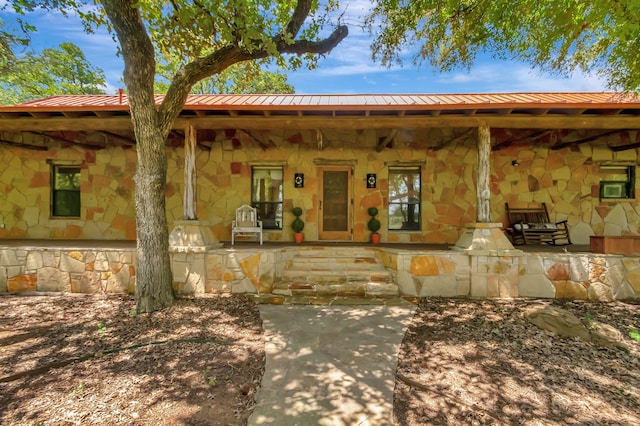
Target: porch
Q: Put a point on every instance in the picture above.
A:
(326, 272)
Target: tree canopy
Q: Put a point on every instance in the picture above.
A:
(557, 36)
(244, 78)
(61, 71)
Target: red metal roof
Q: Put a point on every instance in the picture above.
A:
(346, 102)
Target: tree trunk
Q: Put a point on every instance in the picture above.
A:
(483, 190)
(154, 279)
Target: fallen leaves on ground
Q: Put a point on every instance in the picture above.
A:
(91, 360)
(478, 362)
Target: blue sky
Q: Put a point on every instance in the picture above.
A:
(347, 69)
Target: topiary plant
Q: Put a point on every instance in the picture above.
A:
(297, 225)
(373, 224)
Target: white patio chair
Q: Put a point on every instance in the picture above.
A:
(246, 223)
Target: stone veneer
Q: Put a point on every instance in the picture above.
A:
(248, 270)
(567, 180)
(67, 270)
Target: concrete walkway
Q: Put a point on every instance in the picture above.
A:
(330, 365)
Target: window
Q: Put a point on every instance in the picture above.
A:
(617, 181)
(65, 191)
(266, 195)
(404, 198)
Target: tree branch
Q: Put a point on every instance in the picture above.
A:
(224, 57)
(137, 50)
(299, 15)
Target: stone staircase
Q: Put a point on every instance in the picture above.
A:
(326, 272)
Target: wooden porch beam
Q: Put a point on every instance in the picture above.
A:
(515, 139)
(66, 140)
(382, 143)
(617, 148)
(263, 145)
(584, 140)
(617, 122)
(455, 140)
(626, 144)
(25, 146)
(125, 139)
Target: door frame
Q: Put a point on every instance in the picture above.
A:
(335, 235)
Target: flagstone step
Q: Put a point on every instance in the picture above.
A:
(336, 272)
(276, 299)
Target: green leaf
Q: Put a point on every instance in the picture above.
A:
(555, 36)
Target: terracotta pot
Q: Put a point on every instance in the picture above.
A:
(375, 238)
(298, 237)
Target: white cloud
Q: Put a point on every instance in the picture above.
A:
(500, 76)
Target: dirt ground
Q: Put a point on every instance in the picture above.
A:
(482, 362)
(88, 360)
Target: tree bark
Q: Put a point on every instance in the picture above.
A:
(154, 279)
(483, 189)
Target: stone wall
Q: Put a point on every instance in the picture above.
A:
(67, 270)
(576, 276)
(567, 180)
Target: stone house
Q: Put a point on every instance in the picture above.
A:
(424, 161)
(412, 156)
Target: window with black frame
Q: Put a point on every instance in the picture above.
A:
(65, 191)
(404, 198)
(266, 195)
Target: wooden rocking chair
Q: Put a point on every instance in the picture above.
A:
(246, 223)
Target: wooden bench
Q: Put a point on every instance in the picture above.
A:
(531, 225)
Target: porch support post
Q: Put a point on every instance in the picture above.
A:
(483, 189)
(189, 212)
(191, 239)
(483, 237)
(494, 262)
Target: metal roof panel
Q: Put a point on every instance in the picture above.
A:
(345, 102)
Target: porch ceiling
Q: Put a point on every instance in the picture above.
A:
(514, 117)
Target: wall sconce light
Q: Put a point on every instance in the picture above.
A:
(515, 163)
(298, 180)
(371, 180)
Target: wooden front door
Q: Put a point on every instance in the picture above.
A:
(335, 203)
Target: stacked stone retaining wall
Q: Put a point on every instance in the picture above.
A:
(579, 276)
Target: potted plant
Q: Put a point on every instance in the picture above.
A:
(297, 225)
(374, 225)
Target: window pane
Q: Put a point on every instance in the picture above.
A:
(66, 203)
(67, 178)
(66, 191)
(266, 195)
(404, 199)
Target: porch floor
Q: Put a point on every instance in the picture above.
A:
(130, 244)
